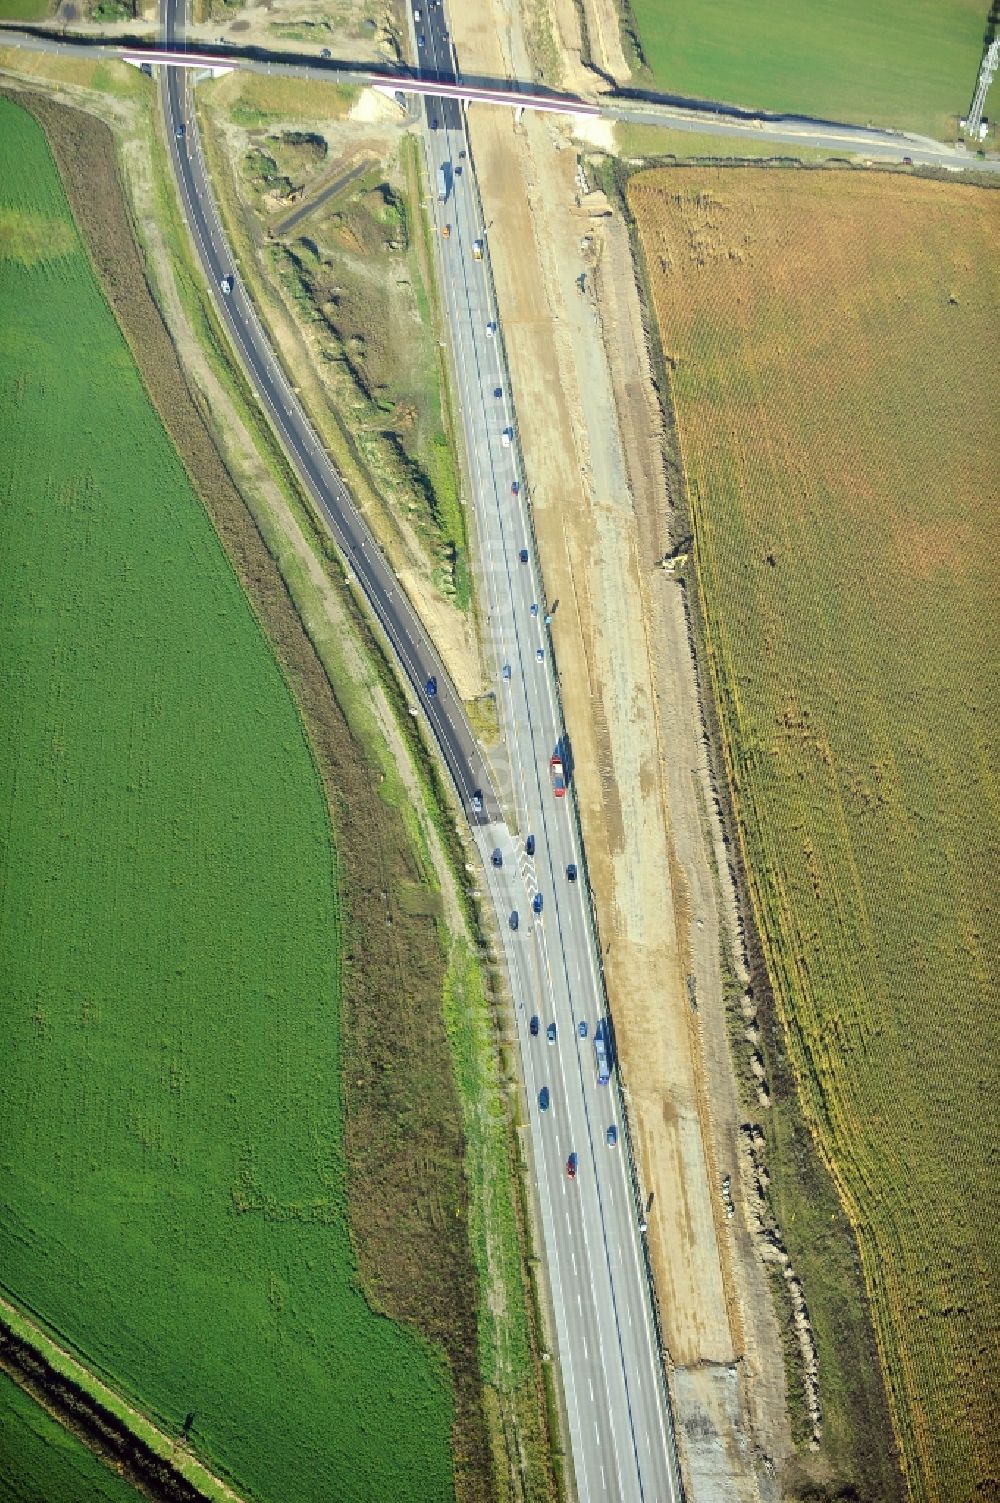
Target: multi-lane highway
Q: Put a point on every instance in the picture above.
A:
(365, 561)
(619, 1419)
(618, 1416)
(615, 1397)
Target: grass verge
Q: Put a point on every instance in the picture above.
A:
(270, 1193)
(515, 1409)
(846, 628)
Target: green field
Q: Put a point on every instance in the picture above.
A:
(831, 337)
(910, 64)
(173, 1199)
(41, 1463)
(23, 10)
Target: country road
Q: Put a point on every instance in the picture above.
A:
(705, 117)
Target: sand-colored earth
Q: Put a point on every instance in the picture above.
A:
(591, 432)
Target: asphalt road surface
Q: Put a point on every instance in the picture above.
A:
(364, 559)
(619, 1420)
(620, 1426)
(687, 115)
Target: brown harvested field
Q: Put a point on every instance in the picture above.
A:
(832, 345)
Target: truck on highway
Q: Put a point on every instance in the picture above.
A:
(601, 1054)
(558, 775)
(477, 250)
(444, 182)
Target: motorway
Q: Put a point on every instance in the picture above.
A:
(618, 1413)
(364, 559)
(618, 1416)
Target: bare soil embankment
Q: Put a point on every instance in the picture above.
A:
(414, 1257)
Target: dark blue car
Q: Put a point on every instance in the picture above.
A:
(536, 902)
(533, 1026)
(529, 846)
(543, 1099)
(432, 687)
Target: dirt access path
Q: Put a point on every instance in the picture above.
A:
(591, 432)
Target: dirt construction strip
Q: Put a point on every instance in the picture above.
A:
(344, 180)
(102, 1417)
(592, 437)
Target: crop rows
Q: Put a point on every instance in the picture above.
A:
(832, 340)
(171, 1151)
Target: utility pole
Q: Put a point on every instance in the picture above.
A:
(972, 126)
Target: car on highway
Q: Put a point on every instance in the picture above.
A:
(529, 846)
(907, 161)
(491, 329)
(612, 1136)
(431, 686)
(498, 391)
(325, 52)
(514, 920)
(571, 872)
(506, 670)
(434, 122)
(550, 1033)
(539, 654)
(227, 285)
(446, 232)
(523, 555)
(534, 607)
(533, 1025)
(571, 1165)
(179, 131)
(581, 1028)
(497, 858)
(515, 488)
(505, 437)
(477, 800)
(421, 40)
(536, 903)
(543, 1099)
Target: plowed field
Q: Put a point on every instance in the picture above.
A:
(833, 347)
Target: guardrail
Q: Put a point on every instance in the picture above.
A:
(638, 1193)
